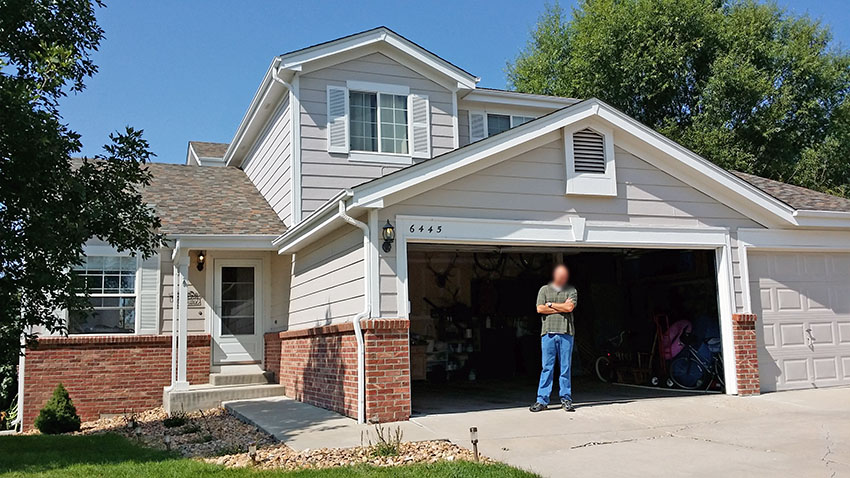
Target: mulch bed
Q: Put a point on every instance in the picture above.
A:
(215, 436)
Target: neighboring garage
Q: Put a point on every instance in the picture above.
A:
(803, 301)
(475, 334)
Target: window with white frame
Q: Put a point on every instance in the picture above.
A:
(378, 122)
(482, 125)
(111, 281)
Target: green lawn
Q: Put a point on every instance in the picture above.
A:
(114, 456)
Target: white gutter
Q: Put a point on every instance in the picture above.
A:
(277, 78)
(358, 332)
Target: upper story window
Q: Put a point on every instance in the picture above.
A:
(111, 281)
(482, 125)
(378, 123)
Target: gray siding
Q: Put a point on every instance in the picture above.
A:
(269, 161)
(327, 280)
(463, 127)
(531, 187)
(324, 174)
(197, 283)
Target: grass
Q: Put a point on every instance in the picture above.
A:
(114, 456)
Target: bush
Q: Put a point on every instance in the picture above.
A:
(175, 420)
(59, 415)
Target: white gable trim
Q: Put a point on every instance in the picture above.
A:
(631, 135)
(296, 60)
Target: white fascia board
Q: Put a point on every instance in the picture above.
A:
(380, 35)
(816, 218)
(511, 98)
(265, 93)
(254, 242)
(316, 220)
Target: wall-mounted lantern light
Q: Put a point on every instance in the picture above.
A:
(202, 258)
(388, 234)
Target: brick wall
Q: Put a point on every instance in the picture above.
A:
(107, 374)
(746, 353)
(319, 366)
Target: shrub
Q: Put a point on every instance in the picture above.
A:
(59, 415)
(177, 419)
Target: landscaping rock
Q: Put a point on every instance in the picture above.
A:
(215, 436)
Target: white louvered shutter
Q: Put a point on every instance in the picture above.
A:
(420, 126)
(477, 126)
(148, 295)
(337, 119)
(589, 152)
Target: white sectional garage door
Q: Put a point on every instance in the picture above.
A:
(803, 306)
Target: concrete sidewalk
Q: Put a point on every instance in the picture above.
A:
(805, 433)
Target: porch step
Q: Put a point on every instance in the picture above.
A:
(224, 379)
(202, 397)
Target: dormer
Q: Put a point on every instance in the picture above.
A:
(202, 153)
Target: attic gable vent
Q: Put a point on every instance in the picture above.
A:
(589, 151)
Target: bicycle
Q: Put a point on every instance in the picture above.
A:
(691, 371)
(607, 364)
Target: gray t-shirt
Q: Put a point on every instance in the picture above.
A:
(557, 323)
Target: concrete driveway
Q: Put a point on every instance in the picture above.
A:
(805, 433)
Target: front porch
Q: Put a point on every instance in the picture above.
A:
(234, 289)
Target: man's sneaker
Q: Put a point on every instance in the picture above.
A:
(568, 405)
(537, 407)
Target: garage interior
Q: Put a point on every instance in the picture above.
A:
(475, 333)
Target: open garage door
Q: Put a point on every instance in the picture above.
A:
(803, 303)
(475, 334)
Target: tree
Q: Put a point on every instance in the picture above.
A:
(51, 204)
(744, 84)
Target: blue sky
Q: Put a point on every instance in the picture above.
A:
(186, 70)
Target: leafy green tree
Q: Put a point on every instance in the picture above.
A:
(742, 83)
(59, 414)
(50, 205)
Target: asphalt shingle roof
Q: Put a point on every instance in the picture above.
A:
(209, 150)
(796, 196)
(193, 199)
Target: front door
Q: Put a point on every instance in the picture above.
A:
(238, 312)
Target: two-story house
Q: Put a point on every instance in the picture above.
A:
(369, 176)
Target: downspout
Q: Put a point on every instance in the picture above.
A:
(278, 79)
(358, 331)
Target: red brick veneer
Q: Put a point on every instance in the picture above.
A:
(319, 366)
(107, 374)
(746, 353)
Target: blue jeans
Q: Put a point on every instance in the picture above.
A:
(560, 346)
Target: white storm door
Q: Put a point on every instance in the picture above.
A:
(238, 308)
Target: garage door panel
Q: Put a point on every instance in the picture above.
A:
(803, 303)
(795, 371)
(844, 333)
(822, 333)
(825, 368)
(839, 299)
(787, 299)
(791, 335)
(815, 265)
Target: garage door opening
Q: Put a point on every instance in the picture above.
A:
(475, 333)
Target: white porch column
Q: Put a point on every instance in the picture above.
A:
(174, 320)
(181, 284)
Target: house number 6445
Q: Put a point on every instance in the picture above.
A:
(431, 229)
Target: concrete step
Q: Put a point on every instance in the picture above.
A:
(202, 397)
(225, 379)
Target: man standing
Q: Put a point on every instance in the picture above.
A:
(555, 304)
